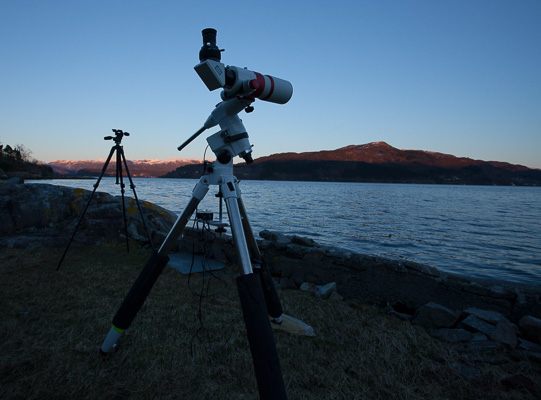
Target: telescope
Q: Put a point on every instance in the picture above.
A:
(241, 87)
(237, 82)
(259, 300)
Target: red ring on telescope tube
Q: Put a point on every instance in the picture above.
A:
(271, 91)
(260, 79)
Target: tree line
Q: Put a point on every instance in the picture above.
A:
(18, 153)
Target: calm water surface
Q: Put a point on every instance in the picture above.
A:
(483, 231)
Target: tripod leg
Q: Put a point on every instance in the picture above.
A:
(132, 186)
(262, 346)
(120, 180)
(150, 273)
(274, 305)
(87, 204)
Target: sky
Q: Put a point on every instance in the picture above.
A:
(459, 77)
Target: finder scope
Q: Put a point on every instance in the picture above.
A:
(237, 82)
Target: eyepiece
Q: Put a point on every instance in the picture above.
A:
(209, 51)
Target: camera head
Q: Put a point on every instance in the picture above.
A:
(119, 134)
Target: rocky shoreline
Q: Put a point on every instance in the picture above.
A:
(479, 314)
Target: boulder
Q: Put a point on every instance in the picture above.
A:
(36, 215)
(474, 324)
(504, 332)
(433, 316)
(492, 317)
(308, 287)
(530, 327)
(12, 181)
(451, 335)
(325, 291)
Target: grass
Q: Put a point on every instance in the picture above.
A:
(178, 347)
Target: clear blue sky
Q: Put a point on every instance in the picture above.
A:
(460, 77)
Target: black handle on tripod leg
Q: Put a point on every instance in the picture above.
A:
(135, 299)
(274, 306)
(267, 369)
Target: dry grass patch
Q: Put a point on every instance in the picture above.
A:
(53, 323)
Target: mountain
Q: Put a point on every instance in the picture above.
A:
(378, 162)
(138, 168)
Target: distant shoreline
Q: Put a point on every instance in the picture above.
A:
(86, 177)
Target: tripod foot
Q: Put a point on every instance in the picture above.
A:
(109, 344)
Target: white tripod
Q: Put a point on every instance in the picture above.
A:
(256, 290)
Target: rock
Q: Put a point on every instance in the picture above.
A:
(325, 291)
(274, 236)
(494, 291)
(40, 215)
(534, 356)
(433, 316)
(321, 291)
(492, 359)
(504, 332)
(451, 335)
(308, 287)
(481, 346)
(303, 241)
(529, 346)
(3, 174)
(295, 251)
(478, 337)
(489, 316)
(474, 324)
(422, 268)
(13, 181)
(519, 382)
(336, 296)
(390, 309)
(294, 326)
(530, 327)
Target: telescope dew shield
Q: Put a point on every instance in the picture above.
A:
(271, 89)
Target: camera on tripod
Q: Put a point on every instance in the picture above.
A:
(119, 134)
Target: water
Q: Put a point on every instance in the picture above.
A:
(481, 231)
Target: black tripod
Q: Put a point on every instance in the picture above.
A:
(120, 159)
